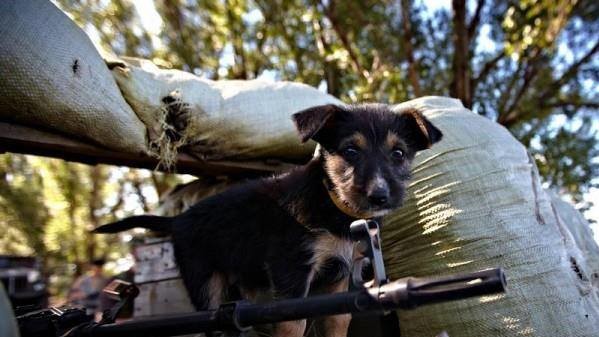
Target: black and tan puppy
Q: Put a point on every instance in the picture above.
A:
(290, 234)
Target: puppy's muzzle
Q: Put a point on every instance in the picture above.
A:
(378, 196)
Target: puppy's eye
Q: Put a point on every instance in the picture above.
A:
(397, 154)
(350, 152)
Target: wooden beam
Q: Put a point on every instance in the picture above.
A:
(22, 139)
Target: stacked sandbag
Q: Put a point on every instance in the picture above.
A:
(475, 202)
(578, 234)
(237, 120)
(52, 77)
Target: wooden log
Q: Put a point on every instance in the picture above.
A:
(27, 140)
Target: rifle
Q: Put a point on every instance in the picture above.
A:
(375, 295)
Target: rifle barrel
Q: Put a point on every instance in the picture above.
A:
(405, 293)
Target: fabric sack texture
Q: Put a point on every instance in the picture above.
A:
(578, 235)
(476, 202)
(52, 77)
(230, 119)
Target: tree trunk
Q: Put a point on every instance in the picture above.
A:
(95, 203)
(240, 71)
(460, 85)
(407, 42)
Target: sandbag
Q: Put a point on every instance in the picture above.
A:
(236, 120)
(475, 202)
(52, 77)
(577, 234)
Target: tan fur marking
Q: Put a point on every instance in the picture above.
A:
(418, 117)
(357, 139)
(392, 141)
(336, 326)
(340, 204)
(216, 287)
(328, 246)
(341, 175)
(290, 329)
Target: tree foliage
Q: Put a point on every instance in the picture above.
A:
(48, 207)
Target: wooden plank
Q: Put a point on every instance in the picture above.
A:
(22, 139)
(155, 261)
(162, 298)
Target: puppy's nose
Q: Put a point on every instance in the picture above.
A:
(378, 196)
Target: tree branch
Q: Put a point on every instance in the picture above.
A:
(240, 67)
(138, 189)
(511, 115)
(407, 42)
(342, 35)
(271, 17)
(505, 95)
(177, 33)
(460, 84)
(484, 72)
(591, 105)
(120, 201)
(475, 19)
(330, 67)
(488, 67)
(571, 72)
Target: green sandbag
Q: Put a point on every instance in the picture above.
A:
(228, 119)
(578, 235)
(475, 202)
(53, 78)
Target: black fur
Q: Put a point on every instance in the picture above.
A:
(261, 235)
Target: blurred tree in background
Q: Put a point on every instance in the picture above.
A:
(48, 206)
(532, 66)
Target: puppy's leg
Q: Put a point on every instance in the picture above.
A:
(336, 326)
(290, 329)
(198, 283)
(215, 289)
(292, 283)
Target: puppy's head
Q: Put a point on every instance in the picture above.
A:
(366, 150)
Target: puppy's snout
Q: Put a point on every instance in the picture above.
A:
(378, 196)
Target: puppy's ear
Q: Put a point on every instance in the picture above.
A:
(421, 132)
(311, 122)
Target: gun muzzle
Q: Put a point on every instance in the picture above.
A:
(411, 292)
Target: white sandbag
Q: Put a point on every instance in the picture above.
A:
(475, 202)
(236, 120)
(51, 76)
(578, 234)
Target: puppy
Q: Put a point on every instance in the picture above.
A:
(289, 234)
